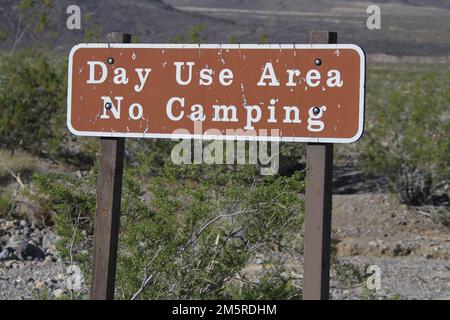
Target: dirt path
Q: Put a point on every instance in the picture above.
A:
(378, 225)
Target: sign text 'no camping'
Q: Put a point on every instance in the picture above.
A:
(303, 93)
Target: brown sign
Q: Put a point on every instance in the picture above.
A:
(304, 93)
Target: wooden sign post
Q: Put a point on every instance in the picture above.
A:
(318, 202)
(107, 216)
(317, 235)
(311, 93)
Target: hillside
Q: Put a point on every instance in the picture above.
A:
(409, 27)
(149, 20)
(300, 5)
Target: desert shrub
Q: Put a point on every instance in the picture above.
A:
(201, 227)
(32, 102)
(186, 231)
(33, 109)
(443, 216)
(348, 274)
(5, 204)
(292, 157)
(263, 39)
(28, 21)
(269, 287)
(440, 214)
(71, 203)
(194, 35)
(408, 140)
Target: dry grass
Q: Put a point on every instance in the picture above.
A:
(17, 164)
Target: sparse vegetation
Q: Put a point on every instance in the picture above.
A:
(32, 19)
(232, 40)
(194, 35)
(18, 163)
(408, 140)
(269, 287)
(443, 216)
(92, 30)
(5, 204)
(263, 39)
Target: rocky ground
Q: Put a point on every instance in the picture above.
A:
(411, 248)
(29, 264)
(408, 277)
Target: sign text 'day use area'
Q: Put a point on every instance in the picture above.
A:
(304, 93)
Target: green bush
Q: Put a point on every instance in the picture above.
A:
(443, 216)
(5, 204)
(201, 227)
(186, 231)
(32, 102)
(71, 203)
(269, 287)
(33, 88)
(408, 141)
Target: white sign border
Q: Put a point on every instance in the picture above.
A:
(356, 137)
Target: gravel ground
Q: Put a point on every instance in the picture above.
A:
(24, 280)
(401, 278)
(411, 249)
(29, 264)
